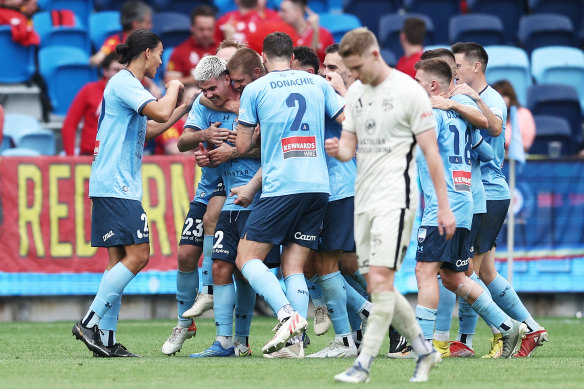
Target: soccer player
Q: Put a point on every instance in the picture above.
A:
(387, 114)
(471, 62)
(434, 254)
(115, 185)
(290, 105)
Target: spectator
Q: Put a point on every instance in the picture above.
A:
(237, 25)
(87, 106)
(524, 117)
(202, 42)
(21, 28)
(166, 143)
(308, 30)
(411, 39)
(134, 15)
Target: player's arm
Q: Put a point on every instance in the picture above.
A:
(191, 139)
(153, 129)
(244, 141)
(481, 149)
(446, 220)
(340, 117)
(342, 149)
(247, 192)
(468, 113)
(229, 105)
(495, 124)
(226, 152)
(162, 109)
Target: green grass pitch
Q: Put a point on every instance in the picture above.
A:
(45, 355)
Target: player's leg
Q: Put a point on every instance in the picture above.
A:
(244, 307)
(443, 320)
(322, 321)
(428, 296)
(350, 270)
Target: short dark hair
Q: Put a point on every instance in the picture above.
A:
(136, 43)
(249, 4)
(415, 30)
(246, 59)
(203, 10)
(437, 53)
(472, 52)
(107, 61)
(437, 67)
(307, 57)
(299, 3)
(133, 11)
(334, 48)
(278, 45)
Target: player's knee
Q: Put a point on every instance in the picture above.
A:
(187, 258)
(461, 289)
(222, 272)
(209, 223)
(424, 270)
(349, 264)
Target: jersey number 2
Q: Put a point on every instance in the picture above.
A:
(291, 102)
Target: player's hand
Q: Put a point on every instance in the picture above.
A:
(231, 137)
(221, 154)
(244, 195)
(176, 84)
(202, 156)
(232, 106)
(465, 89)
(331, 146)
(312, 18)
(217, 135)
(446, 223)
(442, 103)
(228, 29)
(192, 96)
(337, 83)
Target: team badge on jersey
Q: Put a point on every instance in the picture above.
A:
(461, 180)
(370, 126)
(421, 234)
(299, 147)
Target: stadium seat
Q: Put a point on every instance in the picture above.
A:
(545, 30)
(557, 100)
(103, 24)
(42, 141)
(509, 11)
(19, 62)
(173, 28)
(559, 65)
(72, 36)
(20, 152)
(66, 70)
(573, 9)
(339, 24)
(16, 124)
(390, 26)
(159, 79)
(480, 28)
(81, 8)
(440, 11)
(6, 143)
(370, 12)
(511, 64)
(181, 6)
(551, 129)
(388, 57)
(433, 47)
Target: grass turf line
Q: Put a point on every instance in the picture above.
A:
(45, 355)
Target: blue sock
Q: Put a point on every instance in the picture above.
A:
(506, 298)
(333, 288)
(315, 292)
(467, 317)
(244, 305)
(186, 290)
(426, 317)
(109, 322)
(357, 276)
(265, 283)
(223, 304)
(357, 287)
(445, 308)
(491, 313)
(111, 288)
(354, 319)
(355, 300)
(297, 293)
(207, 265)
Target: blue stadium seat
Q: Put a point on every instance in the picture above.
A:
(42, 141)
(72, 36)
(16, 124)
(390, 26)
(480, 28)
(551, 129)
(107, 5)
(81, 8)
(165, 58)
(19, 62)
(557, 100)
(370, 12)
(103, 24)
(509, 11)
(6, 143)
(172, 27)
(511, 64)
(388, 57)
(20, 152)
(339, 24)
(440, 11)
(181, 6)
(546, 30)
(66, 70)
(559, 65)
(573, 9)
(224, 6)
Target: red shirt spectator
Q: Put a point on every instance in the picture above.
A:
(237, 25)
(406, 64)
(166, 142)
(187, 55)
(20, 27)
(325, 39)
(411, 38)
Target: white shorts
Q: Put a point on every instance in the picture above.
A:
(382, 237)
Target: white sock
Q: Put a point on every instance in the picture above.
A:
(442, 336)
(365, 310)
(90, 319)
(285, 312)
(364, 360)
(346, 339)
(378, 322)
(420, 345)
(225, 341)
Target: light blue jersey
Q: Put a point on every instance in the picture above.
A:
(116, 170)
(238, 172)
(200, 118)
(290, 107)
(341, 174)
(454, 142)
(496, 187)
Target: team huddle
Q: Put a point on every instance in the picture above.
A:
(313, 170)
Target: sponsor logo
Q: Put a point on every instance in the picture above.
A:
(108, 235)
(300, 236)
(359, 106)
(299, 147)
(370, 126)
(125, 188)
(194, 58)
(461, 262)
(461, 180)
(425, 114)
(387, 104)
(421, 234)
(95, 149)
